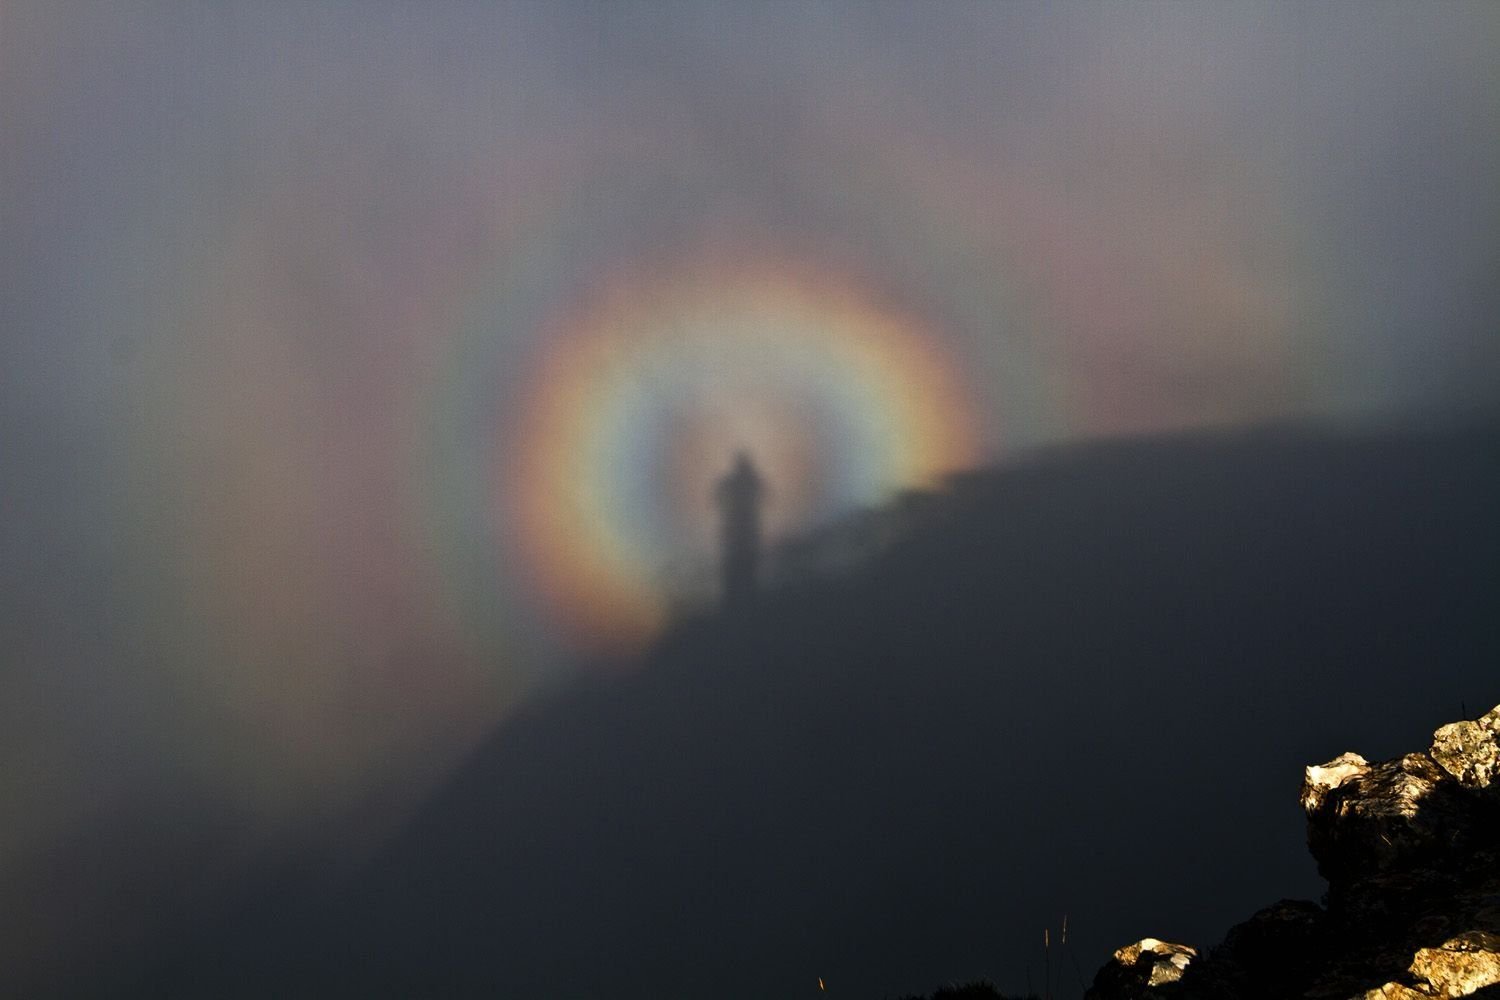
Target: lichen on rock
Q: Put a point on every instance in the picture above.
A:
(1470, 751)
(1461, 966)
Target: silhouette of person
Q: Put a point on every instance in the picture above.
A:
(739, 496)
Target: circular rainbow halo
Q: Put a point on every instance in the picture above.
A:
(641, 398)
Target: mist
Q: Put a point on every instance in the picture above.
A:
(366, 369)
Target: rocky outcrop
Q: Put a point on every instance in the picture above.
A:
(1411, 851)
(1138, 969)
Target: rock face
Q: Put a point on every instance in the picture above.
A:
(1411, 851)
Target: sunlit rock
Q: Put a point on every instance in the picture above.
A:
(1461, 966)
(1380, 819)
(1411, 850)
(1139, 969)
(1393, 991)
(1323, 778)
(1164, 961)
(1470, 751)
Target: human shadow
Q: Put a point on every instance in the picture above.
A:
(740, 497)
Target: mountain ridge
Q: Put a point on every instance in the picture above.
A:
(898, 775)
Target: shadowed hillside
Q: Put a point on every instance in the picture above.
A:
(1075, 687)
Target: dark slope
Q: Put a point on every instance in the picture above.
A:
(1085, 686)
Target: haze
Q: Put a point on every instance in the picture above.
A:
(366, 369)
